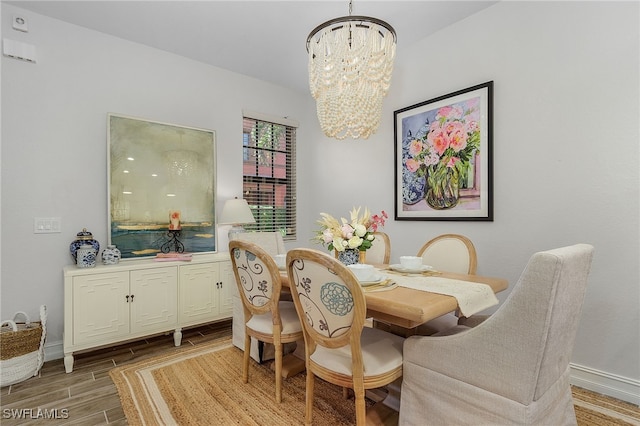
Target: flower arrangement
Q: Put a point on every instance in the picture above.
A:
(444, 152)
(356, 233)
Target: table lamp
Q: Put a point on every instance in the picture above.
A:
(236, 212)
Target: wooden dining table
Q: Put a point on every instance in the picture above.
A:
(408, 308)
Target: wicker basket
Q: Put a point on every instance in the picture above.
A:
(22, 348)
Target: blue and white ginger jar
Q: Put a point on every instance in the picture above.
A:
(83, 237)
(110, 255)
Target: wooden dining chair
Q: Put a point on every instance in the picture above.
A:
(273, 244)
(450, 253)
(266, 317)
(380, 251)
(338, 348)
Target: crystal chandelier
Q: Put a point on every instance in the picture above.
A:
(350, 66)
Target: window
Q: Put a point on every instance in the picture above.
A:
(269, 175)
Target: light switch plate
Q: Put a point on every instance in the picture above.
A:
(18, 50)
(46, 225)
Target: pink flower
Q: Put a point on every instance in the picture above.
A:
(412, 165)
(415, 147)
(457, 136)
(347, 231)
(439, 139)
(378, 221)
(452, 112)
(472, 126)
(452, 162)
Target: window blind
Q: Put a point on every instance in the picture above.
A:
(269, 175)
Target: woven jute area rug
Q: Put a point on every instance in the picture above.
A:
(203, 386)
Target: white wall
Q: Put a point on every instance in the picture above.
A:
(54, 144)
(565, 151)
(566, 139)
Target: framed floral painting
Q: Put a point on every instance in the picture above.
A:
(443, 150)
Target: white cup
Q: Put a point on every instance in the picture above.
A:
(411, 262)
(363, 272)
(281, 260)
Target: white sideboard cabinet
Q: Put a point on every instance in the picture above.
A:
(108, 304)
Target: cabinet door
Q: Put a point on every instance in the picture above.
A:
(100, 308)
(153, 299)
(228, 288)
(199, 293)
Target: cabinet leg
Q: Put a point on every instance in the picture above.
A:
(68, 362)
(177, 337)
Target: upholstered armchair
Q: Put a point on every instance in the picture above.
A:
(513, 368)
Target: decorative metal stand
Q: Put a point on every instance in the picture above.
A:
(173, 243)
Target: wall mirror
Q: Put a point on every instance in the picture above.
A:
(161, 187)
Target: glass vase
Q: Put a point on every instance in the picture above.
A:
(443, 188)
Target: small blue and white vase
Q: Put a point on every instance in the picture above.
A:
(110, 255)
(349, 256)
(86, 256)
(83, 237)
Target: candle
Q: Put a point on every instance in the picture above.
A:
(174, 220)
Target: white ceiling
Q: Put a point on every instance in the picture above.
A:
(263, 39)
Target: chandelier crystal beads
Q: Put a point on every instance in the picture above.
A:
(350, 66)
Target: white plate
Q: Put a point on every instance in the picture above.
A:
(400, 268)
(376, 280)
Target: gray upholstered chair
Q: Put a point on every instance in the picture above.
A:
(266, 318)
(514, 367)
(380, 251)
(338, 348)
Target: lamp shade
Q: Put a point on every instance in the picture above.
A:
(236, 212)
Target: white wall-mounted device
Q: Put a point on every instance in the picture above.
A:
(19, 50)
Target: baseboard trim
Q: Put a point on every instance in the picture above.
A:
(605, 383)
(53, 350)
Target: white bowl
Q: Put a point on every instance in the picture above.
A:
(363, 272)
(281, 260)
(411, 262)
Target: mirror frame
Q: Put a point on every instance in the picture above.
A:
(155, 170)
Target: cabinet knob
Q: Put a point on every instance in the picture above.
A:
(132, 297)
(127, 296)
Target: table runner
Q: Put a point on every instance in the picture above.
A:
(472, 297)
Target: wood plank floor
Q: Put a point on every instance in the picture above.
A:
(87, 396)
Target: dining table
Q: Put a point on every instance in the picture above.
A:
(408, 307)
